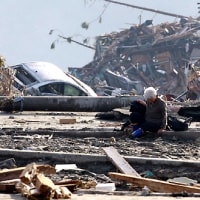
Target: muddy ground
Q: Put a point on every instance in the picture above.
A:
(19, 131)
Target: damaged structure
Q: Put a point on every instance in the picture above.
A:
(69, 155)
(165, 56)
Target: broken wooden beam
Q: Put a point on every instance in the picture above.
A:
(8, 187)
(28, 173)
(46, 186)
(154, 185)
(9, 174)
(119, 161)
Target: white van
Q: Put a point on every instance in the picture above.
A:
(47, 79)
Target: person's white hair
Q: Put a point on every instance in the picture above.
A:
(150, 92)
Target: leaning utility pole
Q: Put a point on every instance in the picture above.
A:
(148, 9)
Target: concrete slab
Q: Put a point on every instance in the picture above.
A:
(92, 158)
(74, 103)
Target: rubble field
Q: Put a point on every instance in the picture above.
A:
(36, 131)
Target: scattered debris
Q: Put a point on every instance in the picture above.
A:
(6, 78)
(36, 181)
(165, 56)
(183, 180)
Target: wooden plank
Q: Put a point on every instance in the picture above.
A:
(12, 197)
(119, 161)
(44, 184)
(8, 187)
(33, 169)
(154, 185)
(9, 174)
(67, 121)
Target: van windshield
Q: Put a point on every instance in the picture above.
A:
(25, 77)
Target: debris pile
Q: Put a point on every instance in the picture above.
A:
(43, 181)
(165, 56)
(7, 86)
(6, 78)
(30, 181)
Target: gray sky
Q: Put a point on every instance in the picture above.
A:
(25, 26)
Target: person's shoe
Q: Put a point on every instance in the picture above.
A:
(126, 124)
(122, 127)
(188, 120)
(137, 133)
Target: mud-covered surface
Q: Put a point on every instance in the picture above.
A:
(151, 146)
(147, 146)
(155, 147)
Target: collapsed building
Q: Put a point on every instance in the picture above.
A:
(165, 56)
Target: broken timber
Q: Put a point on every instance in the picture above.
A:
(34, 184)
(119, 161)
(155, 185)
(9, 174)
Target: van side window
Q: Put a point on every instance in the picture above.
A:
(61, 89)
(52, 88)
(70, 90)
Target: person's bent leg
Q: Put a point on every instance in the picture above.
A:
(126, 124)
(150, 127)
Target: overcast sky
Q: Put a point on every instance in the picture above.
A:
(25, 26)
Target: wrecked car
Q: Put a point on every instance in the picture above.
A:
(47, 79)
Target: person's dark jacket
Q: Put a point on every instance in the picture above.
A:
(137, 107)
(156, 112)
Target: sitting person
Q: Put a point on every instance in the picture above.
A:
(136, 117)
(155, 115)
